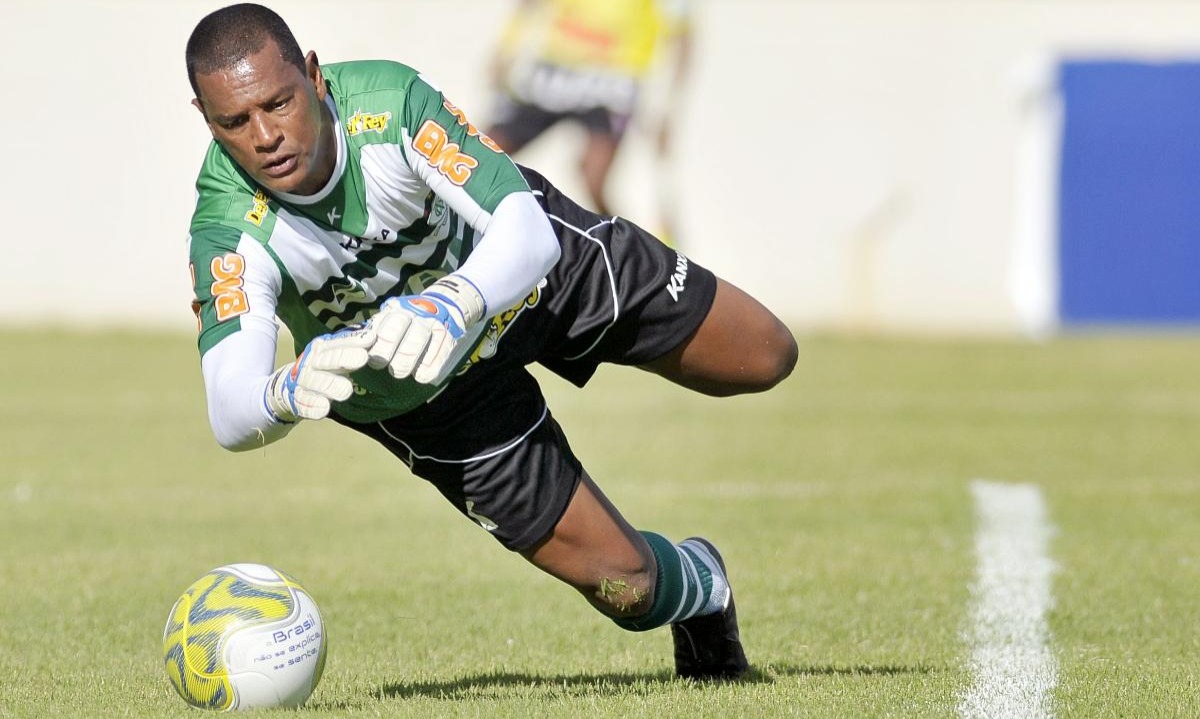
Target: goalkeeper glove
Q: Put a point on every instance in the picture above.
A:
(416, 334)
(304, 389)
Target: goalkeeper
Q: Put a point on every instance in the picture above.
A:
(419, 270)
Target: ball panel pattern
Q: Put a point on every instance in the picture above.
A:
(218, 605)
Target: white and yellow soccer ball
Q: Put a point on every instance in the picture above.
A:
(245, 636)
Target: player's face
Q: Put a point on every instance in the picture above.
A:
(271, 119)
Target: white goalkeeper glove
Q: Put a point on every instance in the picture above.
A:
(305, 388)
(415, 335)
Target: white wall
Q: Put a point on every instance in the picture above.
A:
(853, 163)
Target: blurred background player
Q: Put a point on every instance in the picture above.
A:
(588, 61)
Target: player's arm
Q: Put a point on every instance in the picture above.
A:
(235, 295)
(418, 335)
(484, 186)
(250, 402)
(235, 376)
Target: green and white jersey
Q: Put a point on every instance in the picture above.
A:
(413, 190)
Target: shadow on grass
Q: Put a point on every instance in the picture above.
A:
(853, 670)
(497, 684)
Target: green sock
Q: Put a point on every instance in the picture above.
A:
(684, 586)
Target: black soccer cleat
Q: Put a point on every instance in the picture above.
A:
(709, 648)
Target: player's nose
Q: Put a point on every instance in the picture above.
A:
(267, 135)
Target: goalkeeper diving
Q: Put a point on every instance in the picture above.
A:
(420, 271)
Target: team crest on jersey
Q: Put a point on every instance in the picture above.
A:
(501, 323)
(258, 211)
(437, 212)
(361, 122)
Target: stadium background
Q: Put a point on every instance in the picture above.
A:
(858, 165)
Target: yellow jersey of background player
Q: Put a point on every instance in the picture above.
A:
(614, 36)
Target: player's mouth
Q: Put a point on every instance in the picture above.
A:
(281, 167)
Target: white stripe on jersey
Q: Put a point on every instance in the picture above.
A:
(262, 283)
(310, 254)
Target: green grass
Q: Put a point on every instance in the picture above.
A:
(840, 499)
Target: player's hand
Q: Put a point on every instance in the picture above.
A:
(305, 388)
(415, 335)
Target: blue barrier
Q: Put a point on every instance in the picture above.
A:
(1129, 193)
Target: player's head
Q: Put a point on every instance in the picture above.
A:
(230, 34)
(262, 98)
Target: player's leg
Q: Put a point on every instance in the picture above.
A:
(593, 549)
(657, 309)
(739, 347)
(599, 152)
(642, 581)
(490, 447)
(604, 132)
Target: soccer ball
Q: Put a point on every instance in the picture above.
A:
(244, 636)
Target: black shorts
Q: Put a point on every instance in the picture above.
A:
(488, 441)
(519, 123)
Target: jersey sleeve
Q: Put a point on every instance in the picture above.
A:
(235, 282)
(457, 161)
(236, 285)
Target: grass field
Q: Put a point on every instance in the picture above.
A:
(842, 502)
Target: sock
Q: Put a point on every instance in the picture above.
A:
(689, 584)
(718, 593)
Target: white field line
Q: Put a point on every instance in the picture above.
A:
(1014, 670)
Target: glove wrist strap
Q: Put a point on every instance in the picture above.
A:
(273, 400)
(461, 293)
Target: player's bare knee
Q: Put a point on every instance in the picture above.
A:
(625, 588)
(626, 594)
(780, 355)
(772, 361)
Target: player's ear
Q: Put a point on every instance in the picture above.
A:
(200, 106)
(312, 68)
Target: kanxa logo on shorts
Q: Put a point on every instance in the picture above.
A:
(675, 286)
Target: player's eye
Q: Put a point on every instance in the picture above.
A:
(280, 104)
(232, 122)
